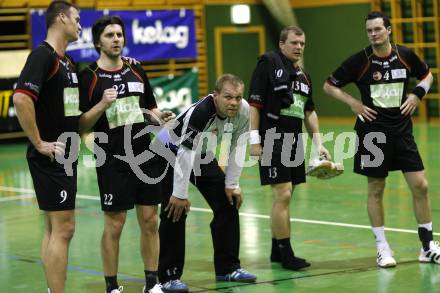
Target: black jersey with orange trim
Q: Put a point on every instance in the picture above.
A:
(383, 85)
(134, 96)
(51, 81)
(261, 93)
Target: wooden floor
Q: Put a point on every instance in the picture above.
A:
(329, 223)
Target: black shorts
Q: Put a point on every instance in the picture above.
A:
(374, 158)
(55, 190)
(121, 189)
(284, 165)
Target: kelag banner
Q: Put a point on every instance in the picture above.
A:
(177, 93)
(8, 118)
(173, 94)
(150, 34)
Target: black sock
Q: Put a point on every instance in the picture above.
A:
(150, 279)
(288, 259)
(425, 236)
(275, 255)
(111, 283)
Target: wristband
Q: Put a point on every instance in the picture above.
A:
(419, 91)
(254, 137)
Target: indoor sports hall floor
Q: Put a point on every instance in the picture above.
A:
(329, 223)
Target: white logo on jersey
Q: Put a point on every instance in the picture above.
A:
(105, 75)
(398, 73)
(135, 87)
(386, 64)
(74, 78)
(117, 77)
(377, 75)
(304, 88)
(377, 62)
(393, 58)
(228, 127)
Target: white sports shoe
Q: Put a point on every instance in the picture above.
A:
(322, 168)
(432, 255)
(385, 258)
(156, 289)
(119, 290)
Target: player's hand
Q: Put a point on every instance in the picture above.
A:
(323, 152)
(360, 109)
(232, 193)
(109, 97)
(176, 207)
(167, 116)
(256, 151)
(410, 105)
(51, 149)
(130, 60)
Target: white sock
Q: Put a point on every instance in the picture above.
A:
(427, 226)
(379, 234)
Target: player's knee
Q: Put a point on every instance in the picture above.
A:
(421, 188)
(283, 196)
(67, 229)
(150, 224)
(376, 190)
(115, 226)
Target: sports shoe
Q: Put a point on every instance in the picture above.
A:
(156, 289)
(385, 258)
(432, 255)
(119, 290)
(322, 168)
(176, 286)
(238, 275)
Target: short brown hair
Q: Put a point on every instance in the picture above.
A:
(100, 26)
(227, 77)
(285, 32)
(55, 8)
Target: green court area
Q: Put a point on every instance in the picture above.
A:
(329, 223)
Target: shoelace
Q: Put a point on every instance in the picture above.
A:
(176, 282)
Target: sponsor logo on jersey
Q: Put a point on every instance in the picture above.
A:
(74, 77)
(124, 111)
(398, 73)
(117, 77)
(305, 88)
(376, 62)
(377, 75)
(228, 127)
(71, 101)
(135, 87)
(105, 75)
(387, 95)
(386, 64)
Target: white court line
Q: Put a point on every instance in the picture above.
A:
(249, 215)
(17, 197)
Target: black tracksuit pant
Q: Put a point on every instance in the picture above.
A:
(225, 227)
